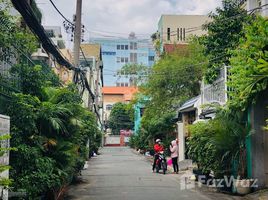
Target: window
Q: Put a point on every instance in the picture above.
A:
(109, 107)
(110, 53)
(122, 47)
(122, 59)
(133, 45)
(178, 34)
(168, 34)
(50, 33)
(151, 58)
(133, 57)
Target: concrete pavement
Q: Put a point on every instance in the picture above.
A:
(120, 174)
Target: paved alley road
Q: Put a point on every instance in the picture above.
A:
(120, 174)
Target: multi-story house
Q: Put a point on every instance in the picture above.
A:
(54, 33)
(118, 52)
(111, 96)
(176, 29)
(91, 62)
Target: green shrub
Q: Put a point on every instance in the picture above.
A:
(215, 145)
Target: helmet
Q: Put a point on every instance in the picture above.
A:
(157, 140)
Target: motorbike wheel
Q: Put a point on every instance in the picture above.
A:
(157, 168)
(164, 168)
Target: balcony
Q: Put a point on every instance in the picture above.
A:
(216, 92)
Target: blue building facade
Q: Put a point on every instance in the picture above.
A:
(117, 52)
(138, 108)
(138, 113)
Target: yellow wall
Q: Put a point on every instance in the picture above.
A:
(65, 75)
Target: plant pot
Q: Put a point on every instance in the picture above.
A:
(243, 186)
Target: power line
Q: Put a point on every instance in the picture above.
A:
(28, 15)
(60, 12)
(192, 29)
(188, 30)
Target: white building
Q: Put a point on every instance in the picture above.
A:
(54, 33)
(176, 29)
(251, 5)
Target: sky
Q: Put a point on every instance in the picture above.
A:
(117, 18)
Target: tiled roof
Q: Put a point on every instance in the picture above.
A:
(128, 92)
(189, 104)
(91, 50)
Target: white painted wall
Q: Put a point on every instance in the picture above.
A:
(112, 139)
(264, 11)
(181, 137)
(252, 4)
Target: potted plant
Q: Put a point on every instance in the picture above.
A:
(230, 138)
(242, 185)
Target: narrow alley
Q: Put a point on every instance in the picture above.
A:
(120, 174)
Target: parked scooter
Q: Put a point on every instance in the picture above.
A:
(161, 163)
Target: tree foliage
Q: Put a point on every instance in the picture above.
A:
(216, 144)
(249, 71)
(121, 118)
(172, 80)
(51, 136)
(137, 73)
(175, 78)
(12, 37)
(224, 32)
(49, 127)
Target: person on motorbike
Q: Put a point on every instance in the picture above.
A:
(158, 147)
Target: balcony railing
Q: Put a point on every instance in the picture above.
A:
(215, 92)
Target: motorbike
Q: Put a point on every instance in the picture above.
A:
(161, 163)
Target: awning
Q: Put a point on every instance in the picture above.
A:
(189, 105)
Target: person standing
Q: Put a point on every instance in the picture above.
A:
(174, 155)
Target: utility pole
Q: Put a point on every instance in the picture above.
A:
(77, 32)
